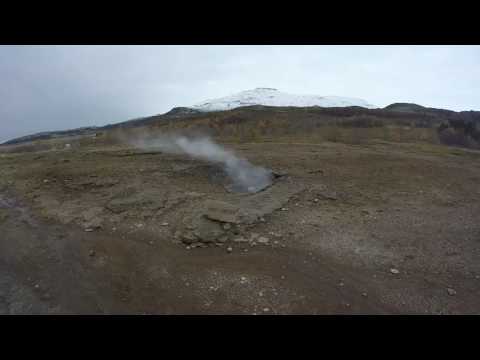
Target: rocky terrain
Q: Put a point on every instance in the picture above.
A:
(95, 226)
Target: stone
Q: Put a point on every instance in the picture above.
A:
(263, 240)
(229, 249)
(240, 239)
(91, 253)
(394, 271)
(188, 238)
(328, 195)
(91, 217)
(222, 239)
(451, 291)
(203, 229)
(164, 224)
(364, 294)
(222, 211)
(227, 226)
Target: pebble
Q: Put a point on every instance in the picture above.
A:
(188, 247)
(282, 277)
(243, 279)
(253, 243)
(394, 271)
(266, 309)
(263, 240)
(341, 283)
(88, 229)
(227, 226)
(364, 294)
(240, 239)
(451, 291)
(229, 249)
(283, 209)
(164, 224)
(37, 286)
(91, 253)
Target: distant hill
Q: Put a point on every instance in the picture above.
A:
(396, 122)
(52, 134)
(405, 107)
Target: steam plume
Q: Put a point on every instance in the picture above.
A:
(245, 176)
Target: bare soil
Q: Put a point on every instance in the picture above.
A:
(377, 228)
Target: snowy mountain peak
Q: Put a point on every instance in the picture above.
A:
(274, 97)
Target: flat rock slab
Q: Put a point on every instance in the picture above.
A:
(147, 199)
(249, 209)
(222, 211)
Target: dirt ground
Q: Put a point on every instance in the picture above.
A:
(381, 228)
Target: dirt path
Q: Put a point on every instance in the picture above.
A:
(50, 268)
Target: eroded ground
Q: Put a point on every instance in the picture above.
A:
(380, 228)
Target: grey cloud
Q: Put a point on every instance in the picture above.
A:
(59, 87)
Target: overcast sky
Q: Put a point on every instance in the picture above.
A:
(61, 87)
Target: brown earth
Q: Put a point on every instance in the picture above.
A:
(374, 228)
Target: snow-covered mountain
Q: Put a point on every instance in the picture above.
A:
(273, 97)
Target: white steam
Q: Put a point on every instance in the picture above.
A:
(245, 176)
